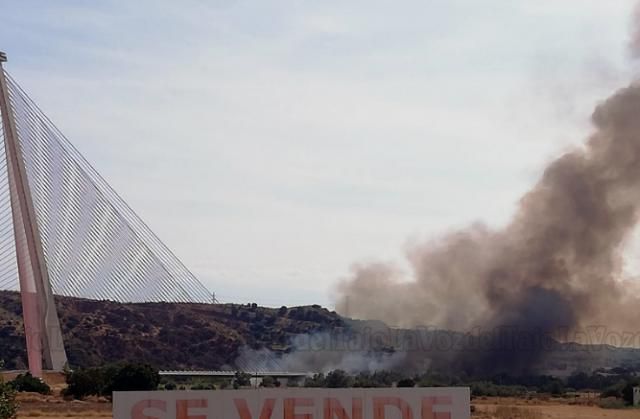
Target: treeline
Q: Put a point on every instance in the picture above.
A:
(618, 382)
(102, 381)
(500, 385)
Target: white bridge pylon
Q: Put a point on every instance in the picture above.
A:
(65, 231)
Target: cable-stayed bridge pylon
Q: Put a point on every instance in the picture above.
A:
(65, 231)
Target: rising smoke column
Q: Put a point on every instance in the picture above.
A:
(565, 239)
(558, 263)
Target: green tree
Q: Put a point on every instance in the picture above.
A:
(133, 377)
(105, 380)
(85, 382)
(339, 379)
(241, 379)
(366, 380)
(318, 380)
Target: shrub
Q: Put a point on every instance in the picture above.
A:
(85, 382)
(486, 388)
(241, 379)
(366, 380)
(318, 380)
(8, 405)
(103, 381)
(377, 379)
(554, 387)
(406, 382)
(133, 377)
(29, 383)
(512, 412)
(613, 391)
(338, 379)
(268, 382)
(612, 403)
(203, 386)
(627, 391)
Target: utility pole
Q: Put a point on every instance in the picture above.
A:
(41, 323)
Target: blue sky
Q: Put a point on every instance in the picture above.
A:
(274, 144)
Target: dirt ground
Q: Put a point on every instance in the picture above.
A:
(34, 405)
(54, 407)
(50, 407)
(583, 407)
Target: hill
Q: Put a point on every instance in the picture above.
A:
(207, 336)
(167, 335)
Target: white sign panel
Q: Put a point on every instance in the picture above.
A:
(392, 403)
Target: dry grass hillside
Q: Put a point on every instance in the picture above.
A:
(165, 335)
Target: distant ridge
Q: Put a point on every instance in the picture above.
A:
(167, 335)
(191, 336)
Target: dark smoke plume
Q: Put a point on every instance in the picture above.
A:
(557, 265)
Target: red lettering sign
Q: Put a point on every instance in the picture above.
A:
(290, 406)
(138, 409)
(265, 412)
(333, 409)
(429, 402)
(380, 405)
(183, 407)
